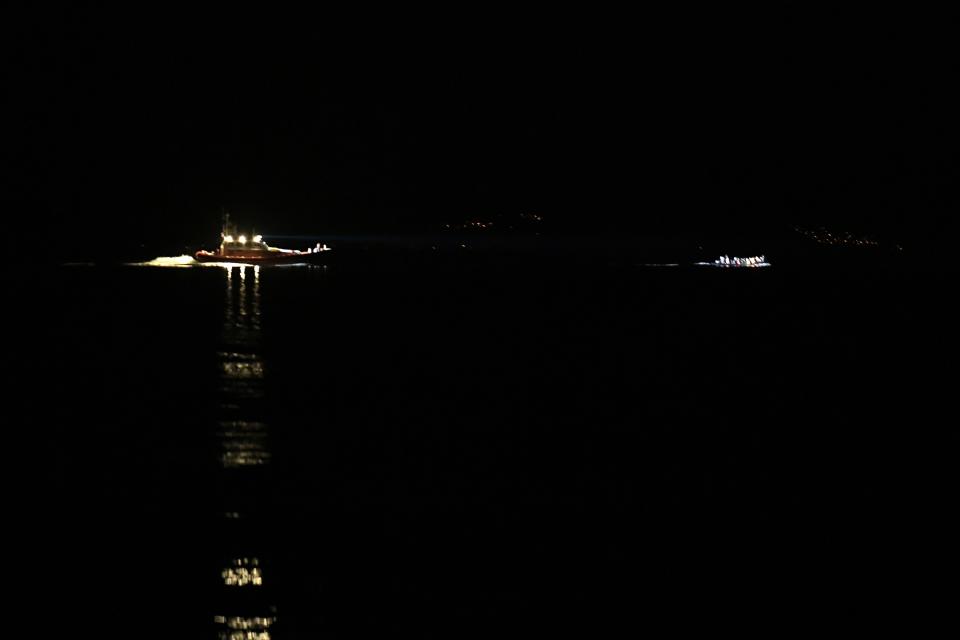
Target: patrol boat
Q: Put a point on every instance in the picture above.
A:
(238, 248)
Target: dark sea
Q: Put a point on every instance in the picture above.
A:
(479, 447)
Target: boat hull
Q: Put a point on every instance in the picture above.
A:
(269, 259)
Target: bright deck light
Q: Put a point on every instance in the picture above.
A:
(257, 238)
(228, 238)
(242, 239)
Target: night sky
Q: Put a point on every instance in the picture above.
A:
(126, 125)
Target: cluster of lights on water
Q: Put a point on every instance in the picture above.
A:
(727, 261)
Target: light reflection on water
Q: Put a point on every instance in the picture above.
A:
(244, 454)
(244, 628)
(243, 436)
(243, 367)
(243, 572)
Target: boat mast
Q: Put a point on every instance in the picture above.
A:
(225, 221)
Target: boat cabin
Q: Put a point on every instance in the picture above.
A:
(231, 244)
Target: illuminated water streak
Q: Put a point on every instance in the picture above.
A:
(243, 437)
